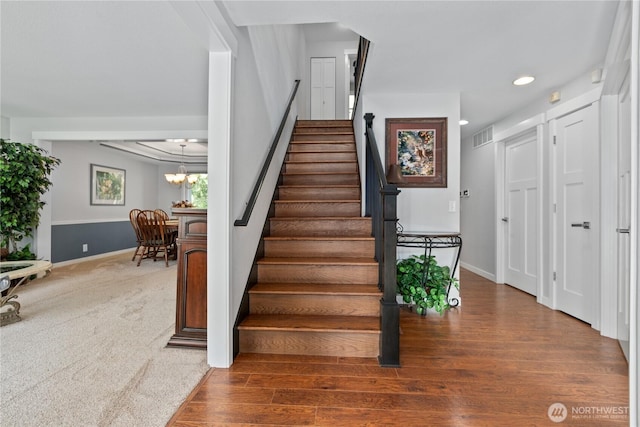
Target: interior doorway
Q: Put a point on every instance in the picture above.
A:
(350, 58)
(624, 217)
(576, 218)
(521, 212)
(323, 88)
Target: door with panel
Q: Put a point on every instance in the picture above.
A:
(576, 220)
(323, 88)
(624, 217)
(521, 212)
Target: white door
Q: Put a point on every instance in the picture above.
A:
(624, 218)
(521, 213)
(576, 218)
(323, 88)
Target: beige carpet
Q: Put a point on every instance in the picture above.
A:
(91, 348)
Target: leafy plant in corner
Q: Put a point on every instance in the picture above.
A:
(424, 283)
(24, 177)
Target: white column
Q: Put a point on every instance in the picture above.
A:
(219, 318)
(42, 235)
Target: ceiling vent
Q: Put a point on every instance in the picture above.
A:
(483, 137)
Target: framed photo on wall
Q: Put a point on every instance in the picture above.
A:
(418, 146)
(107, 185)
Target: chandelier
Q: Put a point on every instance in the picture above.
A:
(182, 175)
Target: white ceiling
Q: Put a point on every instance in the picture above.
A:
(129, 58)
(476, 48)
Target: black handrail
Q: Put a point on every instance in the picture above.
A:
(381, 205)
(361, 60)
(267, 162)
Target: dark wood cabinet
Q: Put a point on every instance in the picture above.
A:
(191, 298)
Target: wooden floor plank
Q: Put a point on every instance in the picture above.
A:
(500, 359)
(352, 371)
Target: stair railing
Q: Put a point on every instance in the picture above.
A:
(267, 162)
(381, 206)
(361, 60)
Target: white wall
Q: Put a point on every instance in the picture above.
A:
(329, 50)
(70, 193)
(5, 127)
(274, 49)
(478, 176)
(423, 209)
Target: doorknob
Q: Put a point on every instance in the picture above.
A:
(505, 219)
(586, 225)
(622, 230)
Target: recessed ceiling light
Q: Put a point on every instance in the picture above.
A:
(524, 80)
(463, 122)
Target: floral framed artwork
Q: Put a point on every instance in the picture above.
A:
(418, 146)
(107, 185)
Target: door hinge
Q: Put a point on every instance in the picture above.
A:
(554, 140)
(554, 208)
(554, 275)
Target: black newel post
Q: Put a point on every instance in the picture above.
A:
(381, 205)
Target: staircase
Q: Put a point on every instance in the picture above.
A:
(317, 290)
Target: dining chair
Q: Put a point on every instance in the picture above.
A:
(156, 236)
(133, 218)
(162, 213)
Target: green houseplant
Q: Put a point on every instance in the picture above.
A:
(24, 177)
(424, 283)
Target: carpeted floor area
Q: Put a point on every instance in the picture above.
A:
(91, 348)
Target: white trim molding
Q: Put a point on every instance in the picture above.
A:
(574, 104)
(478, 271)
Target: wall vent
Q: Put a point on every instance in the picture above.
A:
(485, 136)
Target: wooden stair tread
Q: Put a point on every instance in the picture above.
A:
(319, 201)
(320, 238)
(321, 218)
(349, 151)
(319, 141)
(294, 162)
(310, 323)
(317, 261)
(320, 173)
(315, 289)
(323, 121)
(331, 132)
(323, 186)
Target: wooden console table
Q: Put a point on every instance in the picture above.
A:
(191, 299)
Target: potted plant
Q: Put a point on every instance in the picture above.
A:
(424, 283)
(24, 177)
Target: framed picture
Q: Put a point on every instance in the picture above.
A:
(107, 185)
(418, 147)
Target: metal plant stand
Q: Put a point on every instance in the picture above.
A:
(433, 240)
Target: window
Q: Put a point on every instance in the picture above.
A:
(199, 191)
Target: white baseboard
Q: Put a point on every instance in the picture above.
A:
(92, 257)
(478, 271)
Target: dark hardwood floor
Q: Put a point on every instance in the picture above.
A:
(500, 359)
